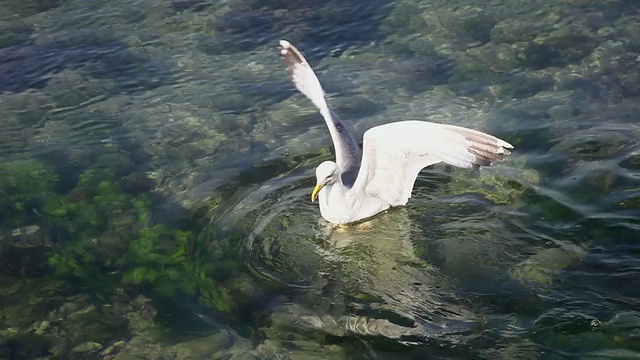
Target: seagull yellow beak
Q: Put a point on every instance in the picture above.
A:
(315, 192)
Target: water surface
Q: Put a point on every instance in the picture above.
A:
(156, 166)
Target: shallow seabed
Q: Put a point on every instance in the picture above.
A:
(156, 166)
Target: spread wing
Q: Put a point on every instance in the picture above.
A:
(394, 154)
(348, 153)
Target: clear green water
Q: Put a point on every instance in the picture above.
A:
(156, 165)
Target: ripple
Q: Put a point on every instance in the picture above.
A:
(370, 271)
(199, 88)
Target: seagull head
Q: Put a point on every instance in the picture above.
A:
(326, 174)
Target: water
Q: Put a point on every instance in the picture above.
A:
(156, 167)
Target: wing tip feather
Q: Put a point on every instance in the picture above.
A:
(485, 156)
(504, 144)
(302, 76)
(487, 148)
(291, 54)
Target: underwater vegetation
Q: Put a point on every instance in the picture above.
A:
(101, 236)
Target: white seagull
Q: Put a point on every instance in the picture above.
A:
(364, 182)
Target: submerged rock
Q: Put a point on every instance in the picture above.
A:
(593, 143)
(560, 112)
(67, 324)
(14, 34)
(71, 88)
(28, 7)
(87, 348)
(546, 264)
(28, 237)
(25, 109)
(498, 185)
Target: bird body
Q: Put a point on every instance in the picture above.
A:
(338, 202)
(364, 182)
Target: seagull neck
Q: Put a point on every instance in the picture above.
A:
(335, 192)
(348, 152)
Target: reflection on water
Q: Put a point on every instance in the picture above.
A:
(156, 165)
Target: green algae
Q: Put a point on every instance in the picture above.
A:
(89, 216)
(497, 187)
(170, 261)
(106, 237)
(23, 185)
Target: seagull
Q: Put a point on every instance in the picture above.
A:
(363, 182)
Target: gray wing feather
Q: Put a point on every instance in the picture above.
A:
(348, 152)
